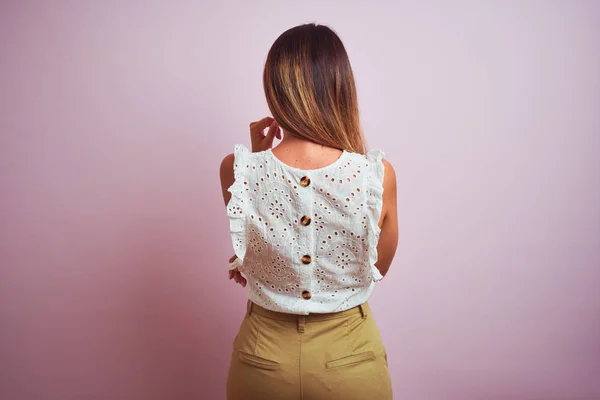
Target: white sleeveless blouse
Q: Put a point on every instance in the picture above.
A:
(306, 240)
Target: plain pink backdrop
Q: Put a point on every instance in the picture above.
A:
(115, 115)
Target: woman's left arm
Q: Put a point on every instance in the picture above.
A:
(260, 142)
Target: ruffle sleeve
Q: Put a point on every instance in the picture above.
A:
(236, 208)
(374, 191)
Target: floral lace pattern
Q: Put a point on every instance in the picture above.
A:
(306, 239)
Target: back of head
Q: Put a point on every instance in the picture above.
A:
(310, 87)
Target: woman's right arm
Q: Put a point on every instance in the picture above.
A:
(388, 238)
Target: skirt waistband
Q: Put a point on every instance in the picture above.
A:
(362, 309)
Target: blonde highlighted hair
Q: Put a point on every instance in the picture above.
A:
(310, 88)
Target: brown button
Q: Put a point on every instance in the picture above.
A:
(306, 295)
(306, 259)
(305, 220)
(305, 181)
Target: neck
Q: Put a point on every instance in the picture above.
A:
(294, 141)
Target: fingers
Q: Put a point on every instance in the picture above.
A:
(238, 278)
(241, 280)
(273, 131)
(277, 130)
(260, 141)
(236, 275)
(232, 259)
(259, 126)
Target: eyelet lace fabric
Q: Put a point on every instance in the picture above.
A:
(306, 239)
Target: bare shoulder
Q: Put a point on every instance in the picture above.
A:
(389, 193)
(389, 175)
(227, 165)
(227, 176)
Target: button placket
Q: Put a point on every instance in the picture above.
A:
(306, 192)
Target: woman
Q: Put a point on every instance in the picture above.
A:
(314, 226)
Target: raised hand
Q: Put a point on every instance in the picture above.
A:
(260, 141)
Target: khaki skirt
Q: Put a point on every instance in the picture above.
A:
(308, 357)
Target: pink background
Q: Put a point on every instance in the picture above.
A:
(114, 117)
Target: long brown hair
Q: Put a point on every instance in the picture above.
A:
(310, 89)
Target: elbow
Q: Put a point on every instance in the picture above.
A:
(383, 268)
